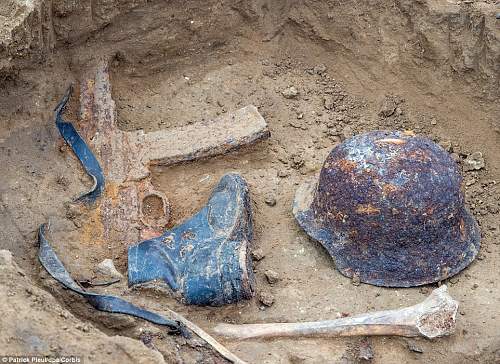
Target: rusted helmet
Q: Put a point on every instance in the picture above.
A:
(389, 208)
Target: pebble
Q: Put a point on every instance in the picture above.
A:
(63, 181)
(347, 132)
(424, 290)
(388, 107)
(470, 182)
(283, 173)
(446, 145)
(258, 254)
(266, 298)
(297, 161)
(320, 69)
(270, 200)
(328, 102)
(412, 346)
(355, 280)
(290, 92)
(474, 162)
(107, 268)
(272, 276)
(455, 157)
(365, 351)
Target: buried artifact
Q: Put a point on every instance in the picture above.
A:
(206, 259)
(122, 213)
(434, 317)
(178, 325)
(389, 209)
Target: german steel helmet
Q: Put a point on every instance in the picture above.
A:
(388, 207)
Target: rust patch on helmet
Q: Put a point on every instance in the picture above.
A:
(346, 165)
(419, 155)
(367, 209)
(389, 188)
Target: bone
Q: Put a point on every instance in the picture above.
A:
(432, 318)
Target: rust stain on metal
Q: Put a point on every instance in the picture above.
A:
(367, 209)
(389, 188)
(407, 197)
(345, 165)
(123, 214)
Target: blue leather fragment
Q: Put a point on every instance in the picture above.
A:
(206, 258)
(81, 150)
(107, 303)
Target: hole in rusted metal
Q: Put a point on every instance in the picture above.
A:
(153, 207)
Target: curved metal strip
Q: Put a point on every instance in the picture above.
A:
(112, 304)
(81, 150)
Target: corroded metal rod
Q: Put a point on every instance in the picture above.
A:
(434, 317)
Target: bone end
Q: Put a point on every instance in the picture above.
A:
(438, 315)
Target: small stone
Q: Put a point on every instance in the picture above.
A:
(355, 280)
(474, 162)
(470, 182)
(319, 69)
(270, 200)
(412, 346)
(446, 145)
(365, 351)
(283, 173)
(272, 276)
(5, 257)
(258, 254)
(342, 314)
(107, 268)
(297, 161)
(424, 290)
(398, 111)
(433, 122)
(455, 157)
(328, 102)
(63, 181)
(388, 107)
(454, 280)
(347, 132)
(266, 298)
(475, 285)
(290, 92)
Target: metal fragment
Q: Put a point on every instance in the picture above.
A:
(389, 208)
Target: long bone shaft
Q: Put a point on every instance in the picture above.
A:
(434, 317)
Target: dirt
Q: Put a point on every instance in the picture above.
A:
(318, 72)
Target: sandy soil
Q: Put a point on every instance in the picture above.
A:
(429, 66)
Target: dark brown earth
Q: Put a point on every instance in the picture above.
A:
(429, 66)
